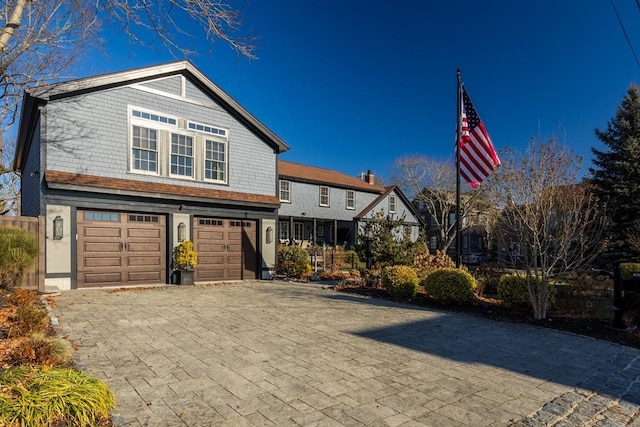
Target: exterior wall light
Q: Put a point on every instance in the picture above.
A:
(58, 228)
(182, 232)
(269, 235)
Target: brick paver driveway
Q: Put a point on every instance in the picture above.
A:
(274, 353)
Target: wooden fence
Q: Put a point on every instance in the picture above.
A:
(34, 278)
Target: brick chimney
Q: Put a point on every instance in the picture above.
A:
(370, 177)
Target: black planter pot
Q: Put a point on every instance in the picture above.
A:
(182, 277)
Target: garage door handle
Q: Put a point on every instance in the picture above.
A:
(120, 246)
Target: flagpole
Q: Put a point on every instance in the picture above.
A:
(459, 118)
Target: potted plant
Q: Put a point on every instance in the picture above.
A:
(185, 260)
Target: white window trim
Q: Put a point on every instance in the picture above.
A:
(395, 204)
(215, 138)
(163, 149)
(156, 113)
(196, 124)
(280, 181)
(193, 156)
(324, 205)
(132, 169)
(347, 200)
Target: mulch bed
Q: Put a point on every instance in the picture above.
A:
(494, 309)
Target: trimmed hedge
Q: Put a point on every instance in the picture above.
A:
(450, 286)
(400, 281)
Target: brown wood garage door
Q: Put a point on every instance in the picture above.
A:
(118, 248)
(226, 249)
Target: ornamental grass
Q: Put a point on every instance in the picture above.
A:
(54, 397)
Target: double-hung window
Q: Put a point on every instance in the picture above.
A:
(181, 155)
(144, 151)
(215, 160)
(324, 196)
(351, 199)
(285, 191)
(392, 204)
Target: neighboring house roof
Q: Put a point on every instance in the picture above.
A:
(399, 193)
(66, 180)
(41, 94)
(314, 175)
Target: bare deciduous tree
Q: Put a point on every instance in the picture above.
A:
(556, 221)
(39, 40)
(433, 184)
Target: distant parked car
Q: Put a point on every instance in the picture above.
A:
(474, 259)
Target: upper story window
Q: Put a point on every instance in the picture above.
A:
(392, 204)
(181, 155)
(324, 196)
(207, 129)
(164, 145)
(215, 160)
(154, 117)
(285, 191)
(351, 199)
(144, 149)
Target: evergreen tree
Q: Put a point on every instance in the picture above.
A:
(616, 177)
(389, 241)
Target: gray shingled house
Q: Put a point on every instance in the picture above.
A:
(323, 206)
(125, 165)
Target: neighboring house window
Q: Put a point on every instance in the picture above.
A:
(433, 242)
(284, 230)
(145, 149)
(392, 204)
(298, 231)
(285, 191)
(324, 196)
(452, 218)
(320, 231)
(181, 155)
(215, 160)
(351, 199)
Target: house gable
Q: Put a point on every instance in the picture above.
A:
(90, 125)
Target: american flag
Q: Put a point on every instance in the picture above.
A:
(478, 158)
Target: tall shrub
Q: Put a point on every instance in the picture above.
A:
(18, 252)
(293, 261)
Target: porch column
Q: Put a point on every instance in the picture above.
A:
(313, 232)
(335, 233)
(291, 229)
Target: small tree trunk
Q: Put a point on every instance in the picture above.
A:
(11, 25)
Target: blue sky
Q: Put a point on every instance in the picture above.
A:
(353, 85)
